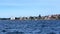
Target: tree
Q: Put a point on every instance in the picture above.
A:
(58, 17)
(31, 17)
(39, 17)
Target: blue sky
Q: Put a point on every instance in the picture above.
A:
(19, 8)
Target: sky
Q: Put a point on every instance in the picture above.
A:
(18, 8)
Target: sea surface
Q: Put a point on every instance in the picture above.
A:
(29, 26)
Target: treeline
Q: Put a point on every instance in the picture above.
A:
(4, 18)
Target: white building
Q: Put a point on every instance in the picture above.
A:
(12, 18)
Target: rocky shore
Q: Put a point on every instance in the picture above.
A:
(48, 17)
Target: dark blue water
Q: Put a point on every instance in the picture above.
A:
(29, 26)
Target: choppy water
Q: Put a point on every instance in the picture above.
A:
(29, 26)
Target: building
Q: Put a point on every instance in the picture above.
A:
(12, 18)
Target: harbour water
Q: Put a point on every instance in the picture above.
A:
(29, 26)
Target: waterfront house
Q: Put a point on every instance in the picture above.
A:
(12, 18)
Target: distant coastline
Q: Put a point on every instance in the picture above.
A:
(39, 17)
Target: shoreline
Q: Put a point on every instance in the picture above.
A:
(49, 17)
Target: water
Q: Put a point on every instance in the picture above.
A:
(29, 26)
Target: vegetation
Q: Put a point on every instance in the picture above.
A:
(34, 17)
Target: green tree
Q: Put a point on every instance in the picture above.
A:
(31, 17)
(39, 17)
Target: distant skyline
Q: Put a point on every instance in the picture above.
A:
(19, 8)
